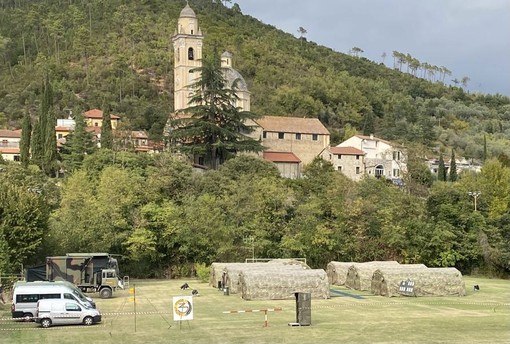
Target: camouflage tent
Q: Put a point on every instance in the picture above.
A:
(427, 282)
(359, 276)
(337, 272)
(228, 273)
(376, 282)
(215, 273)
(283, 284)
(233, 270)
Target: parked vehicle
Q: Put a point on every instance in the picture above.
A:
(25, 296)
(65, 312)
(94, 272)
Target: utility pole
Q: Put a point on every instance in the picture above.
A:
(475, 195)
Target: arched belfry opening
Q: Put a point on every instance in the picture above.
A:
(191, 55)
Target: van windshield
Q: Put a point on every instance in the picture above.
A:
(79, 295)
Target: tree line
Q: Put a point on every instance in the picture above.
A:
(163, 218)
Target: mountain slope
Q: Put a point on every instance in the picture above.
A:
(120, 52)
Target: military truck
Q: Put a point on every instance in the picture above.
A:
(91, 272)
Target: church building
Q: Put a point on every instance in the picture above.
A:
(188, 42)
(290, 142)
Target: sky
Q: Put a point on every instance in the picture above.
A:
(469, 37)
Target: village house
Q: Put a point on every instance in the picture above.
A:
(304, 137)
(463, 165)
(348, 160)
(9, 144)
(383, 159)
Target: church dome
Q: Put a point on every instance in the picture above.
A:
(188, 12)
(231, 75)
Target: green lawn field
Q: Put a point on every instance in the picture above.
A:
(352, 317)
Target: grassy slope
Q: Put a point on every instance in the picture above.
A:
(480, 317)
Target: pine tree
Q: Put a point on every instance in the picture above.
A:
(216, 129)
(441, 171)
(453, 168)
(26, 134)
(106, 129)
(78, 144)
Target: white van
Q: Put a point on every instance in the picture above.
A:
(65, 312)
(26, 294)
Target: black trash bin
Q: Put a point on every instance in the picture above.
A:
(303, 309)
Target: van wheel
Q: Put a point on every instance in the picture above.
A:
(45, 322)
(105, 293)
(27, 317)
(88, 321)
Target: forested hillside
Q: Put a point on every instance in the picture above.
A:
(120, 52)
(166, 220)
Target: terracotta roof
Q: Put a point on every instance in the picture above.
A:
(346, 151)
(10, 133)
(63, 129)
(9, 150)
(292, 125)
(95, 130)
(96, 113)
(281, 157)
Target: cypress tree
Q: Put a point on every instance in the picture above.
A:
(453, 168)
(50, 164)
(36, 144)
(26, 133)
(484, 147)
(441, 171)
(106, 129)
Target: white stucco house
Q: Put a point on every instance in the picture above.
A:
(382, 159)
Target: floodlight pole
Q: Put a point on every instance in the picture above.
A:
(475, 195)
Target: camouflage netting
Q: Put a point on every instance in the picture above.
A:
(427, 282)
(215, 273)
(359, 276)
(283, 284)
(337, 272)
(230, 271)
(376, 282)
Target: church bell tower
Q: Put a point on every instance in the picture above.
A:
(187, 41)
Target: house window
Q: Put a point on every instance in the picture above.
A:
(201, 160)
(96, 124)
(339, 168)
(298, 136)
(339, 156)
(315, 137)
(191, 54)
(60, 136)
(17, 158)
(358, 170)
(357, 157)
(281, 136)
(264, 135)
(396, 155)
(379, 171)
(396, 172)
(330, 157)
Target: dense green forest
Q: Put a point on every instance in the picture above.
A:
(163, 218)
